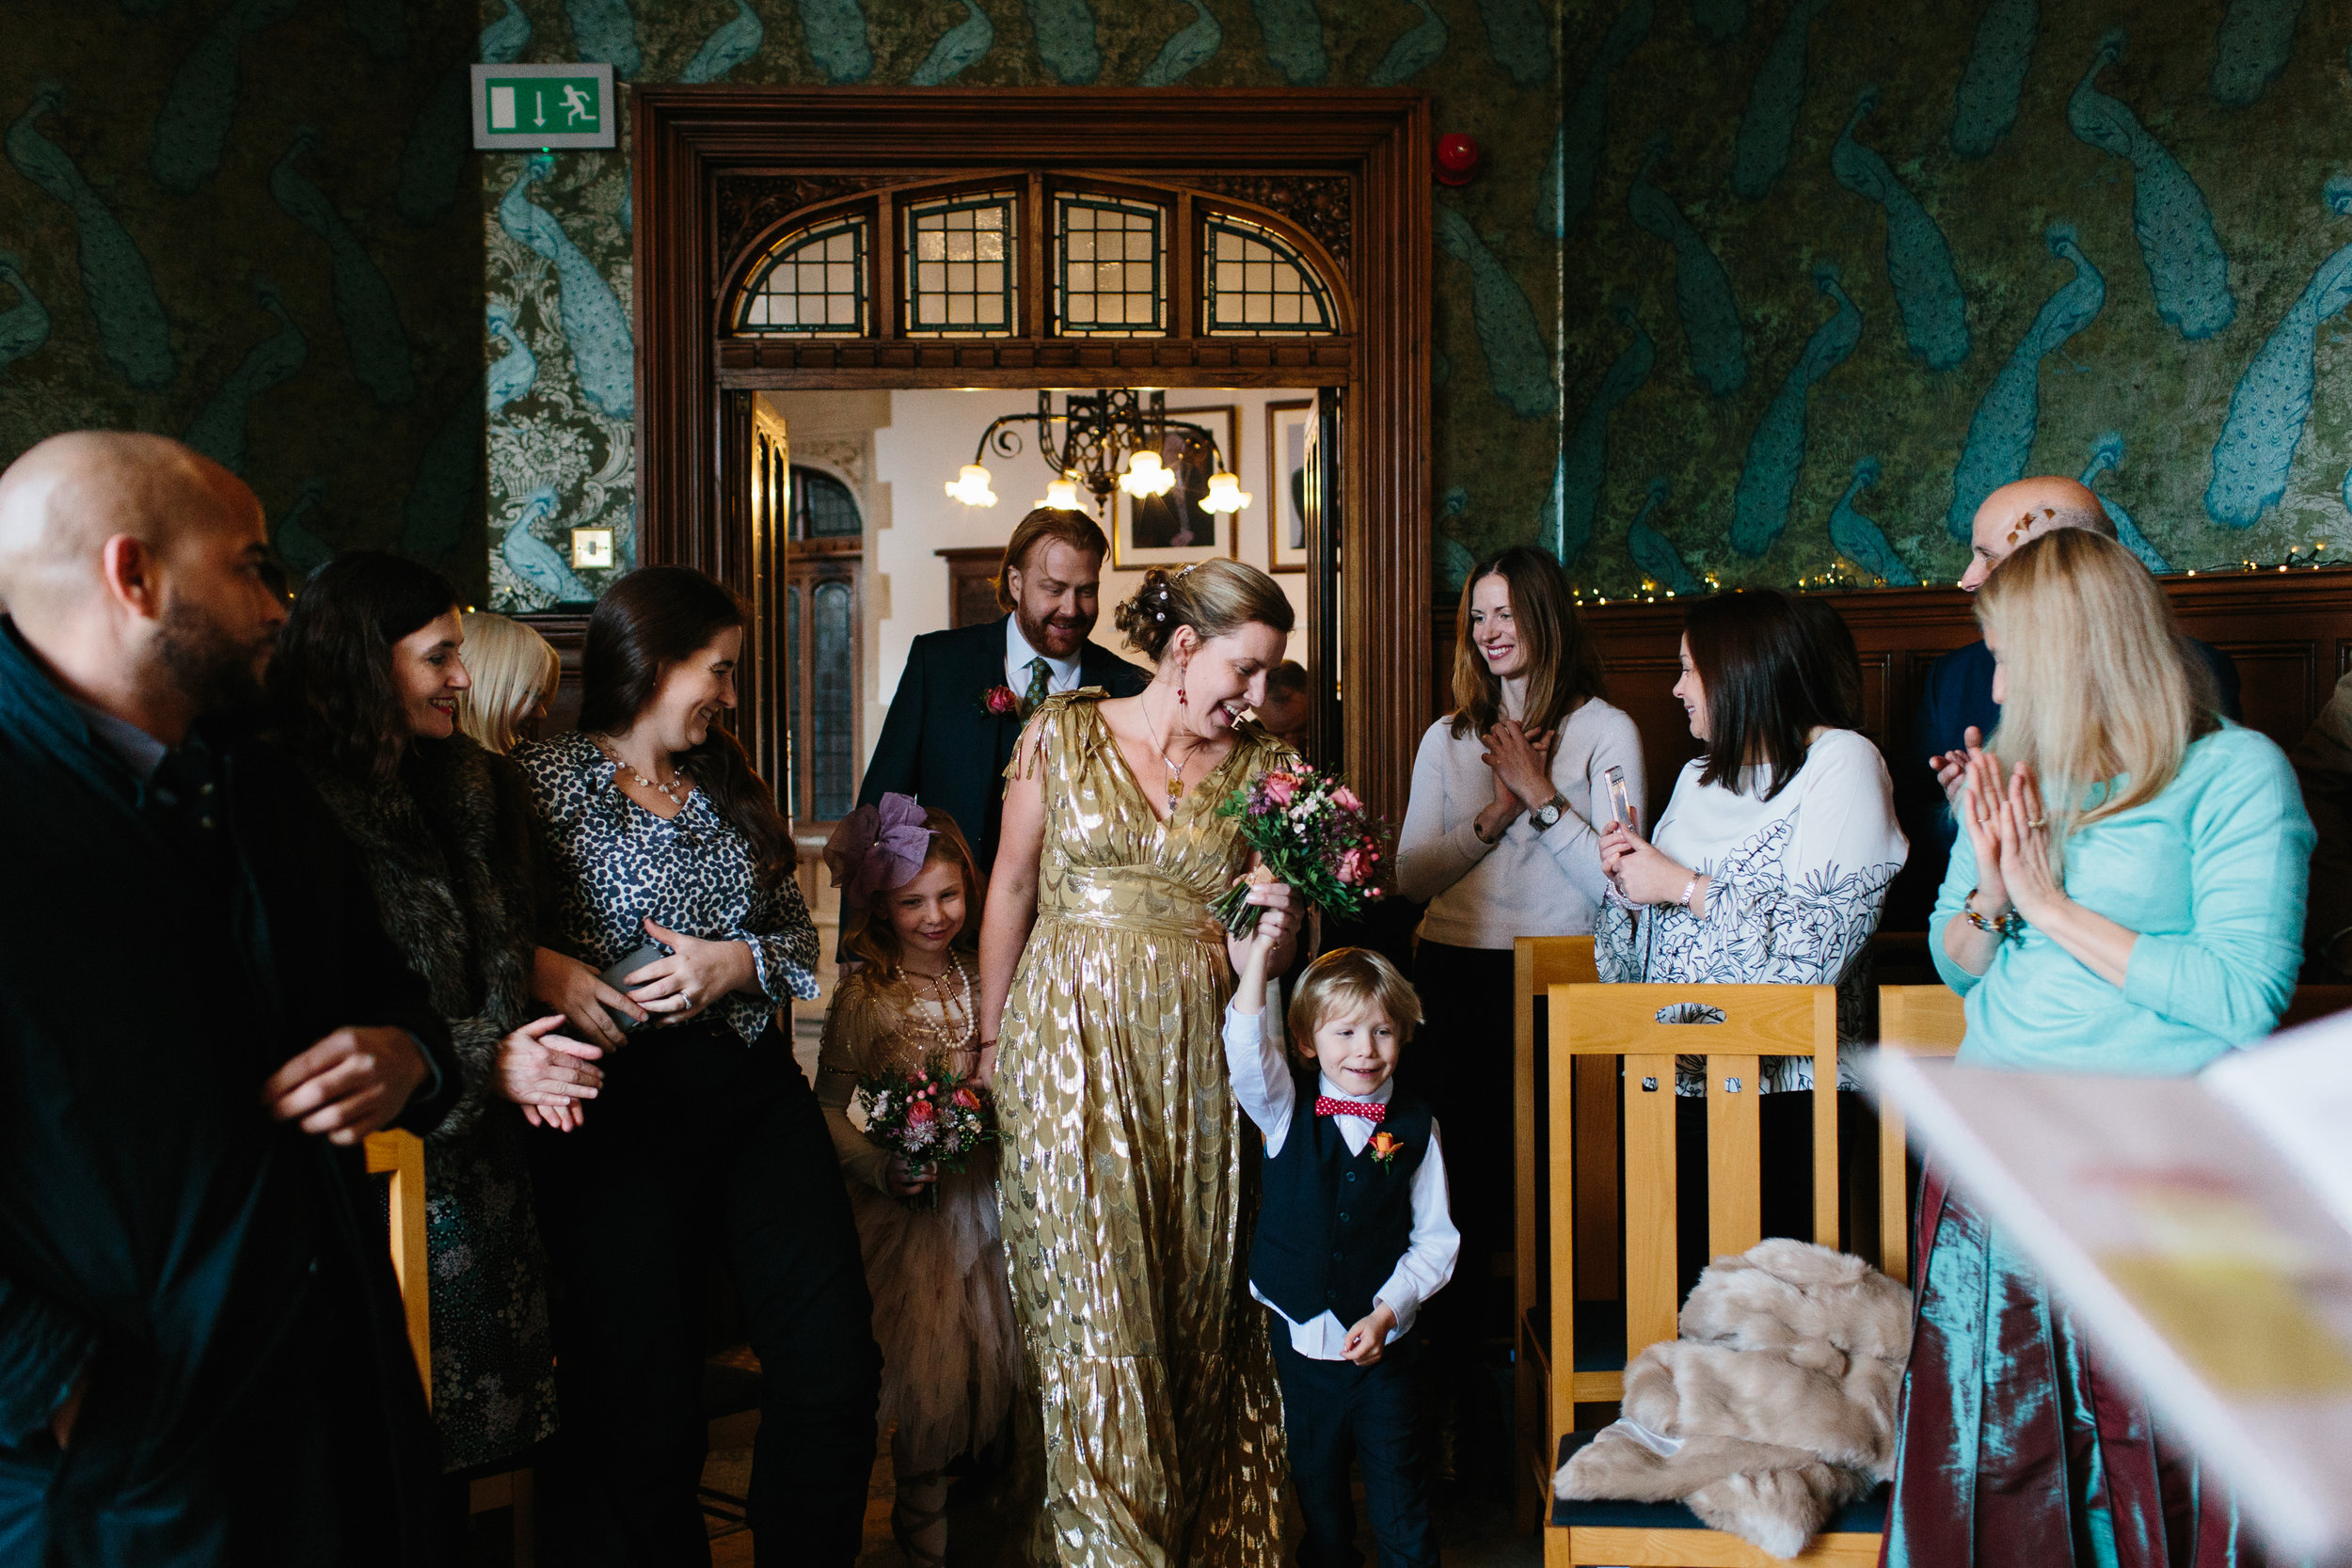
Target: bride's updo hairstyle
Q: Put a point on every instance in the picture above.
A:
(1213, 598)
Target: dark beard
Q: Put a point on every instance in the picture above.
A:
(211, 669)
(1035, 634)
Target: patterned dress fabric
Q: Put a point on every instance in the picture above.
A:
(1128, 1176)
(2040, 1454)
(613, 863)
(942, 1313)
(1797, 886)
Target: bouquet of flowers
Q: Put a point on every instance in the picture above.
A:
(931, 1116)
(1312, 832)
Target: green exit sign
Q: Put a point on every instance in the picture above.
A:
(526, 107)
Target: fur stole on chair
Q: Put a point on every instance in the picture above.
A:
(1774, 1409)
(447, 848)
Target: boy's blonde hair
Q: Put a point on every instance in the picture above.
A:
(514, 671)
(1345, 980)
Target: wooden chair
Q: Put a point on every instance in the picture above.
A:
(1922, 1021)
(1618, 1026)
(1539, 965)
(400, 1156)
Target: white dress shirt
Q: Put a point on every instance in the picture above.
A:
(1061, 675)
(1267, 1093)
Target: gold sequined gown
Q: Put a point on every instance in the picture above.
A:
(1126, 1224)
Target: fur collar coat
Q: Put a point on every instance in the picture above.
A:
(1776, 1406)
(448, 850)
(447, 846)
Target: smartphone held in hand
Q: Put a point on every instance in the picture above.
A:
(1621, 800)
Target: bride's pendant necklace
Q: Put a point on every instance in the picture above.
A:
(1175, 770)
(669, 791)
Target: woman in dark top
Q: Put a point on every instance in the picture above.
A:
(364, 690)
(705, 1138)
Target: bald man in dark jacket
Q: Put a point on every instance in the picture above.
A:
(202, 1357)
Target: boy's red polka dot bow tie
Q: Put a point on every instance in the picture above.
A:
(1370, 1110)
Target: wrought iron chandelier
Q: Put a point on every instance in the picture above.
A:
(1110, 440)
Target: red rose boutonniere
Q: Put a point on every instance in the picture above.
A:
(1385, 1148)
(1001, 702)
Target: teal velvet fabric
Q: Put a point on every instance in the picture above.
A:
(2019, 1446)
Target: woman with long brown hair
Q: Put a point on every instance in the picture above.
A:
(1501, 840)
(2125, 898)
(675, 932)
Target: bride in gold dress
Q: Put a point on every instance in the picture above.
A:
(1125, 1222)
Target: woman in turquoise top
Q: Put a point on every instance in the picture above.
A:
(2143, 913)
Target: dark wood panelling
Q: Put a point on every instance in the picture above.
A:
(2290, 635)
(568, 636)
(972, 583)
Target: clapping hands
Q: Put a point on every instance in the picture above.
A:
(2009, 832)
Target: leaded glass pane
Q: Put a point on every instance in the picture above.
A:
(812, 285)
(793, 739)
(960, 267)
(1113, 267)
(1257, 286)
(830, 606)
(822, 506)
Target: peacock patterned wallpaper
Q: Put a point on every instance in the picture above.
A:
(1833, 272)
(557, 225)
(242, 222)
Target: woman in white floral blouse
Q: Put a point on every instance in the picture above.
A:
(1768, 866)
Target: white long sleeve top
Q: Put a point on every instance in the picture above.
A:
(1267, 1094)
(1526, 883)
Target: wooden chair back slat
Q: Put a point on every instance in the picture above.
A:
(1920, 1020)
(1616, 1029)
(400, 1156)
(1735, 1210)
(1538, 963)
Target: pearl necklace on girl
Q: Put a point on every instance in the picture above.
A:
(958, 1025)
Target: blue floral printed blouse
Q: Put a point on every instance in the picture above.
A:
(610, 862)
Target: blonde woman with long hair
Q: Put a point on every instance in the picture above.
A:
(2126, 897)
(515, 672)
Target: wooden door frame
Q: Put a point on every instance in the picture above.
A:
(687, 138)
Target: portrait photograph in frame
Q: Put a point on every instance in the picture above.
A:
(1289, 427)
(1171, 530)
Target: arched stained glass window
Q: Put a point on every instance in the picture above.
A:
(1253, 284)
(962, 266)
(822, 506)
(793, 739)
(1110, 268)
(833, 610)
(812, 284)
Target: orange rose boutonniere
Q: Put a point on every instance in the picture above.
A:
(1385, 1148)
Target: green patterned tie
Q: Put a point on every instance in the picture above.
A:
(1040, 674)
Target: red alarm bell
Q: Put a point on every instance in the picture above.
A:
(1459, 158)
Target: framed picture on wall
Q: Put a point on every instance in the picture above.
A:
(1286, 431)
(1172, 529)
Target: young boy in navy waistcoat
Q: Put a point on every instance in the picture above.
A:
(1353, 1236)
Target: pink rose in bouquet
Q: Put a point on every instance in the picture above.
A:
(1346, 798)
(1354, 868)
(1279, 788)
(930, 1120)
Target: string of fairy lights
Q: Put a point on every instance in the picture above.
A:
(1840, 576)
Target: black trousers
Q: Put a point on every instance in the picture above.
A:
(698, 1146)
(1334, 1411)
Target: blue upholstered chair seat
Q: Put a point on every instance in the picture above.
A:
(1867, 1517)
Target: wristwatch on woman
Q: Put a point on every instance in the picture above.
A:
(1548, 814)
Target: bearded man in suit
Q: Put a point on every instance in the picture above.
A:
(946, 741)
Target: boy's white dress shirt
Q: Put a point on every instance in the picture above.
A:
(1268, 1095)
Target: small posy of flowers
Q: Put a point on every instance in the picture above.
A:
(1385, 1148)
(1312, 832)
(931, 1117)
(1001, 702)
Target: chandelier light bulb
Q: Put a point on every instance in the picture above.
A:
(1061, 495)
(1147, 475)
(1225, 494)
(970, 486)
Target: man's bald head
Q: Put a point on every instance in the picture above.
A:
(2026, 509)
(63, 499)
(134, 568)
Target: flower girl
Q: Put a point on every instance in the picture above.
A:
(942, 1311)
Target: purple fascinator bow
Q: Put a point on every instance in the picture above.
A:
(877, 847)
